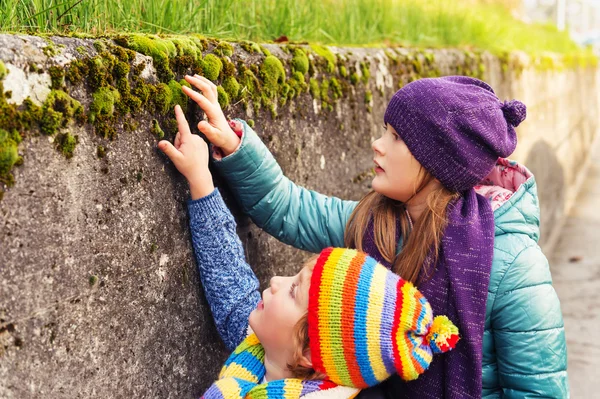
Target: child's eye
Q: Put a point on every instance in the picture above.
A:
(384, 126)
(292, 292)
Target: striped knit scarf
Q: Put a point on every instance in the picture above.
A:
(241, 375)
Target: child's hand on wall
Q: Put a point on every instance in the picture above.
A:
(190, 156)
(217, 129)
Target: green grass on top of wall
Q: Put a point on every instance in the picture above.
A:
(436, 23)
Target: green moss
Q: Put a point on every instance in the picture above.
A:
(251, 122)
(8, 152)
(224, 49)
(228, 68)
(3, 70)
(130, 125)
(57, 76)
(156, 130)
(81, 50)
(34, 68)
(343, 71)
(66, 143)
(366, 73)
(429, 58)
(58, 110)
(327, 55)
(251, 47)
(231, 86)
(50, 50)
(177, 95)
(336, 88)
(391, 56)
(249, 84)
(163, 98)
(354, 78)
(100, 152)
(99, 46)
(325, 91)
(272, 74)
(264, 50)
(185, 83)
(223, 97)
(212, 67)
(314, 88)
(297, 84)
(76, 70)
(121, 69)
(189, 46)
(151, 45)
(103, 102)
(143, 92)
(300, 61)
(368, 96)
(93, 280)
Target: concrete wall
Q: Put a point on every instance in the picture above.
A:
(143, 328)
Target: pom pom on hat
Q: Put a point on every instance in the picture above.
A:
(366, 323)
(514, 111)
(442, 335)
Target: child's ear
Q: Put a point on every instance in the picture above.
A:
(306, 360)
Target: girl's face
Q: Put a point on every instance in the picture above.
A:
(283, 304)
(396, 170)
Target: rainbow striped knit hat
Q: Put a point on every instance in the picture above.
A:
(366, 323)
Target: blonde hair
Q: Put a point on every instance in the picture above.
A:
(424, 240)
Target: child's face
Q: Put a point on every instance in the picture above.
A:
(397, 170)
(283, 304)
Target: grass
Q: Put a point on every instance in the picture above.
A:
(467, 23)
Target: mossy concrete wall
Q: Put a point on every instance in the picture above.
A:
(99, 295)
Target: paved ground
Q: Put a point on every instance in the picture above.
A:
(575, 267)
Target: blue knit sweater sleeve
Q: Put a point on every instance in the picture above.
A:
(230, 285)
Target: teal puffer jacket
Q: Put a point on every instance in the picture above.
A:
(524, 349)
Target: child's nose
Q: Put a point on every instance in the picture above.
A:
(274, 283)
(375, 145)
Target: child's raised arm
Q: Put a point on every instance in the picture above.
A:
(294, 215)
(230, 286)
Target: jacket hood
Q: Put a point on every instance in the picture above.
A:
(512, 192)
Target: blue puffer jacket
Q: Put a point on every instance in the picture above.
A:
(524, 349)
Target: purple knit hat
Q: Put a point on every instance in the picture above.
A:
(455, 126)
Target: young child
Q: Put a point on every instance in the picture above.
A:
(343, 323)
(447, 212)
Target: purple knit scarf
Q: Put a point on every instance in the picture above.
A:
(458, 288)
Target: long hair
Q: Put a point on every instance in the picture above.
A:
(421, 247)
